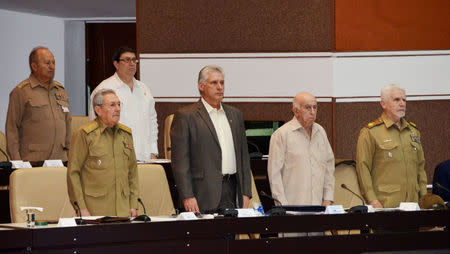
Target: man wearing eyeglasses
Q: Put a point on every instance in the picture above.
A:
(102, 174)
(39, 119)
(137, 102)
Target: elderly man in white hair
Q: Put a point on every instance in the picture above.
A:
(301, 161)
(389, 155)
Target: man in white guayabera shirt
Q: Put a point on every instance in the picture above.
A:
(137, 103)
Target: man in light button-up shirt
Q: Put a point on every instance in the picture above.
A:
(137, 104)
(210, 160)
(301, 161)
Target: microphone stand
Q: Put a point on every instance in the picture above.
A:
(79, 221)
(356, 209)
(275, 211)
(144, 216)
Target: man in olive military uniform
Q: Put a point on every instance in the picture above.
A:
(38, 120)
(102, 176)
(389, 156)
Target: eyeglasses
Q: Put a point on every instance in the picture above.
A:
(129, 60)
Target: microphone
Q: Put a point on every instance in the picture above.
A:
(275, 210)
(442, 187)
(257, 154)
(144, 216)
(356, 209)
(79, 221)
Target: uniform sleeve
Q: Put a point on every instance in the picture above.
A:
(14, 116)
(245, 157)
(154, 128)
(275, 166)
(77, 156)
(365, 151)
(421, 174)
(328, 187)
(133, 179)
(180, 157)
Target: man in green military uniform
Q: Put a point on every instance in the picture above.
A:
(389, 155)
(102, 170)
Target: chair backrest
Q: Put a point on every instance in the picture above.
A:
(77, 122)
(3, 153)
(167, 143)
(345, 173)
(255, 196)
(154, 190)
(41, 187)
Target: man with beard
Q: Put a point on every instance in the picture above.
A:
(38, 120)
(389, 155)
(137, 102)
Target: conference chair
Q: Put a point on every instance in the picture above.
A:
(345, 173)
(154, 190)
(3, 153)
(77, 122)
(44, 187)
(167, 143)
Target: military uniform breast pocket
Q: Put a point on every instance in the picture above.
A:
(38, 109)
(97, 159)
(387, 151)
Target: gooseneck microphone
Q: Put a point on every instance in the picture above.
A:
(277, 210)
(144, 216)
(79, 221)
(442, 187)
(356, 209)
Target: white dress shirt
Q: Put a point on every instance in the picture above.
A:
(137, 111)
(300, 168)
(223, 130)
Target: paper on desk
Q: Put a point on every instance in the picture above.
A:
(154, 161)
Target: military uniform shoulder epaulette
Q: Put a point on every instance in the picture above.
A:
(123, 127)
(24, 83)
(413, 124)
(59, 84)
(375, 123)
(90, 127)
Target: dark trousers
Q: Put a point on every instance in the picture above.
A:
(228, 198)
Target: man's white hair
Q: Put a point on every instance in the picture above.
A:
(388, 89)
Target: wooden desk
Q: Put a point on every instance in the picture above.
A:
(213, 236)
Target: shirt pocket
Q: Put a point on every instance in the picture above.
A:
(39, 109)
(387, 152)
(97, 159)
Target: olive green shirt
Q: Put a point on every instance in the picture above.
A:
(102, 170)
(38, 122)
(390, 162)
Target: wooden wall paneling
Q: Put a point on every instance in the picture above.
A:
(386, 25)
(205, 26)
(251, 111)
(431, 117)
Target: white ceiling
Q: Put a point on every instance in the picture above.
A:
(74, 9)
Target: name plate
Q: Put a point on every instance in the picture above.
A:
(53, 163)
(245, 213)
(67, 222)
(409, 206)
(334, 209)
(187, 216)
(20, 164)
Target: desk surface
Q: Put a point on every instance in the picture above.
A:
(214, 235)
